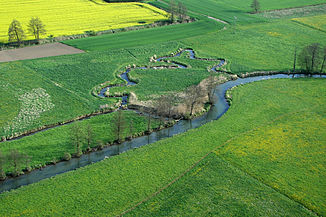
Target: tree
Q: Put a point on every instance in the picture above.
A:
(36, 28)
(310, 57)
(255, 6)
(295, 59)
(131, 128)
(119, 125)
(193, 95)
(182, 11)
(211, 87)
(2, 162)
(323, 60)
(89, 136)
(17, 159)
(77, 139)
(173, 10)
(16, 32)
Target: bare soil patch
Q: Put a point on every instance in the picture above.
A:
(38, 51)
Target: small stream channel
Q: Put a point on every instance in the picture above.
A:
(217, 110)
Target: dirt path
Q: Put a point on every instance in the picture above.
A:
(38, 51)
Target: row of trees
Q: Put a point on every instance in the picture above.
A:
(16, 32)
(311, 59)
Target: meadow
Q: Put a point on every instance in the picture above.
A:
(120, 182)
(236, 11)
(153, 36)
(66, 82)
(50, 146)
(68, 18)
(316, 22)
(285, 175)
(258, 47)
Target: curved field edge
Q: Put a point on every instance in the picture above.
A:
(116, 184)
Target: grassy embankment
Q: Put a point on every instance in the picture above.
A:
(271, 108)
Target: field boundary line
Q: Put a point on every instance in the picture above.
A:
(204, 157)
(291, 8)
(307, 25)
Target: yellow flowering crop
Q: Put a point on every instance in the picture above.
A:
(63, 17)
(318, 22)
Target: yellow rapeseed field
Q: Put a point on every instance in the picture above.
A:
(68, 17)
(318, 22)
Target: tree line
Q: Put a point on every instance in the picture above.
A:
(17, 34)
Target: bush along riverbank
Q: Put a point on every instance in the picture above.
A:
(71, 141)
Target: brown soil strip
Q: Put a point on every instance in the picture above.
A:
(38, 51)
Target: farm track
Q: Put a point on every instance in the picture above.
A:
(38, 51)
(215, 150)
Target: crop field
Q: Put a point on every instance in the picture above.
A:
(133, 176)
(237, 11)
(316, 22)
(68, 17)
(263, 157)
(152, 36)
(203, 191)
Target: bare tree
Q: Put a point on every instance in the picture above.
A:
(17, 160)
(173, 10)
(131, 128)
(255, 5)
(182, 11)
(149, 121)
(89, 136)
(211, 87)
(2, 164)
(36, 28)
(77, 139)
(323, 60)
(119, 125)
(16, 32)
(193, 95)
(295, 59)
(310, 57)
(165, 105)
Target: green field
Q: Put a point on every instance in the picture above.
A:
(49, 146)
(237, 11)
(66, 83)
(264, 157)
(132, 176)
(145, 36)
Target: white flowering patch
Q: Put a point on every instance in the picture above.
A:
(33, 103)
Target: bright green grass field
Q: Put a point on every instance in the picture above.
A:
(258, 47)
(51, 145)
(216, 188)
(237, 11)
(118, 183)
(145, 36)
(67, 83)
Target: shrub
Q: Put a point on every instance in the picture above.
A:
(67, 156)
